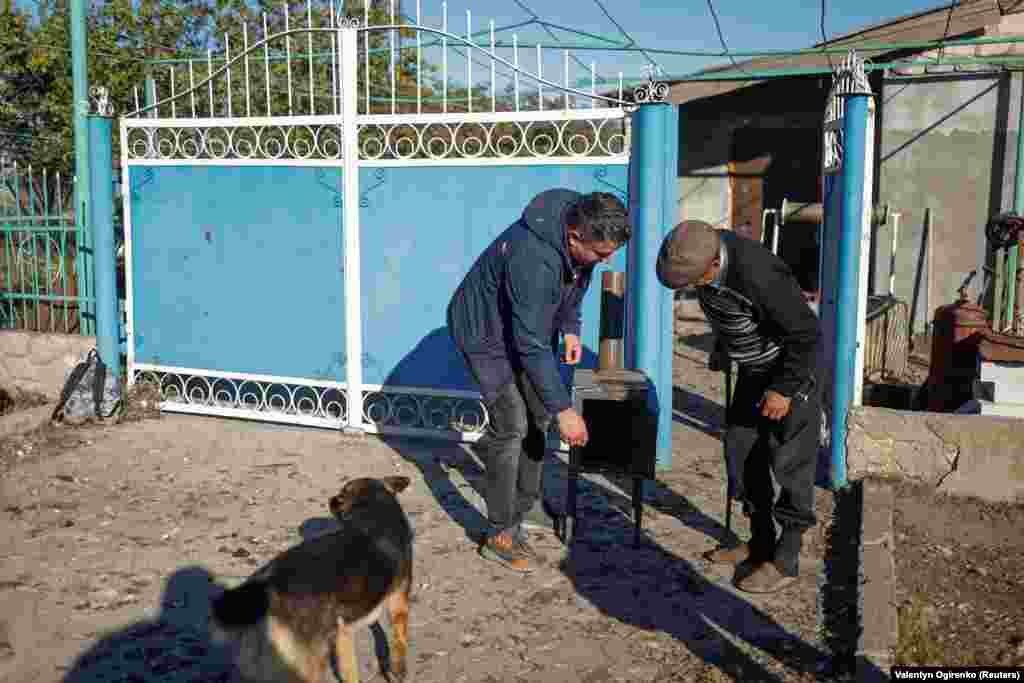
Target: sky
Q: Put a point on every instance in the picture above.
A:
(673, 25)
(654, 24)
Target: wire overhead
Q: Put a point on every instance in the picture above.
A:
(725, 48)
(824, 38)
(625, 34)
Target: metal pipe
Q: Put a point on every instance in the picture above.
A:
(611, 336)
(79, 109)
(814, 212)
(847, 280)
(102, 220)
(892, 252)
(1013, 251)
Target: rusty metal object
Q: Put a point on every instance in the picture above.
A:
(612, 331)
(958, 330)
(1001, 348)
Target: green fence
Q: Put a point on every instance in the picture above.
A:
(45, 264)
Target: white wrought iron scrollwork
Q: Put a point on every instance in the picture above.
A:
(850, 77)
(221, 143)
(99, 101)
(653, 90)
(493, 140)
(255, 396)
(349, 22)
(395, 409)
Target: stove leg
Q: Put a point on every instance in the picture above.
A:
(638, 509)
(569, 523)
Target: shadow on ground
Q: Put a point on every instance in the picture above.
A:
(175, 646)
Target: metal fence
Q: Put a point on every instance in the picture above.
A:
(45, 283)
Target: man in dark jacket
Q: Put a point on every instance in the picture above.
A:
(506, 317)
(763, 323)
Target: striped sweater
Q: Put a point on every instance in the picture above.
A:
(760, 316)
(731, 316)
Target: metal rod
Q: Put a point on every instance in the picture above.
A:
(209, 79)
(334, 62)
(419, 61)
(288, 57)
(245, 47)
(494, 96)
(929, 290)
(174, 109)
(394, 75)
(80, 88)
(540, 82)
(444, 57)
(894, 241)
(266, 61)
(191, 88)
(309, 56)
(366, 61)
(515, 72)
(469, 63)
(228, 86)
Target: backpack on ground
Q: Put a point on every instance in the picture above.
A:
(89, 392)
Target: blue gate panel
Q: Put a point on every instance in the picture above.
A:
(421, 229)
(239, 269)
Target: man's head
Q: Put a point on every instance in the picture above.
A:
(689, 255)
(597, 224)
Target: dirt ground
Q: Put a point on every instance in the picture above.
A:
(115, 538)
(960, 580)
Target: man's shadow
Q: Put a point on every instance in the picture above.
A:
(176, 645)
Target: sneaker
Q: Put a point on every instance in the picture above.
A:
(537, 518)
(766, 578)
(522, 540)
(503, 549)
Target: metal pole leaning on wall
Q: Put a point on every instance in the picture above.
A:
(101, 218)
(848, 276)
(648, 304)
(79, 111)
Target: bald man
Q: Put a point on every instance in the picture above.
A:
(763, 323)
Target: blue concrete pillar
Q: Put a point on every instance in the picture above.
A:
(848, 276)
(652, 203)
(101, 219)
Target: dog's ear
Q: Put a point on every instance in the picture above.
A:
(396, 484)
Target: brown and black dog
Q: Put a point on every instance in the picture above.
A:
(285, 616)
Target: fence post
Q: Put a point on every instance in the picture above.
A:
(348, 38)
(79, 111)
(102, 220)
(648, 304)
(851, 230)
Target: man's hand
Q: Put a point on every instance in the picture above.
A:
(572, 428)
(573, 349)
(774, 405)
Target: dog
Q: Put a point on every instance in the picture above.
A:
(285, 616)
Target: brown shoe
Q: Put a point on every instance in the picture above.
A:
(766, 578)
(734, 555)
(503, 549)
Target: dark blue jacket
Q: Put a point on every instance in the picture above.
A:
(520, 294)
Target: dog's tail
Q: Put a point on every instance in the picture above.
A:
(239, 608)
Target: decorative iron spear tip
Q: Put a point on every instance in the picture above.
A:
(99, 99)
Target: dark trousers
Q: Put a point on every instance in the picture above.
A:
(513, 451)
(757, 449)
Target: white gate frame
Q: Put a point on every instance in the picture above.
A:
(347, 139)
